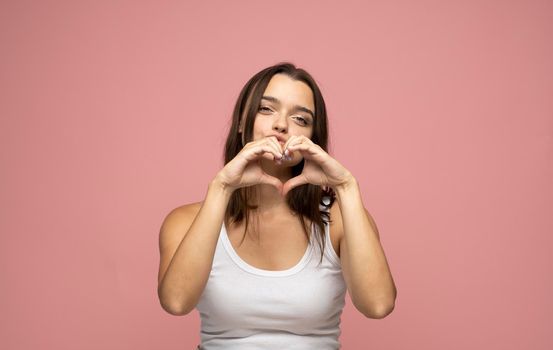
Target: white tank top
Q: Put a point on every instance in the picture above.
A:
(243, 307)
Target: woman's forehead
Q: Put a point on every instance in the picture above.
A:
(285, 90)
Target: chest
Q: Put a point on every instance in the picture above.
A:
(274, 245)
(238, 302)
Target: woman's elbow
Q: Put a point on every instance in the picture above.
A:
(381, 312)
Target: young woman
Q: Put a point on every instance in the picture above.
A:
(267, 256)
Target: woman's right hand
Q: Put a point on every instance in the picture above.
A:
(245, 168)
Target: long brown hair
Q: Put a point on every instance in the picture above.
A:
(303, 200)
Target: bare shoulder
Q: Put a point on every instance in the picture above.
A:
(184, 209)
(178, 215)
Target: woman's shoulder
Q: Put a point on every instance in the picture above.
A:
(188, 208)
(184, 212)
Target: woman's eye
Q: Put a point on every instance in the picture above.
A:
(303, 121)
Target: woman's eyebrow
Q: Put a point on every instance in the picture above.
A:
(296, 107)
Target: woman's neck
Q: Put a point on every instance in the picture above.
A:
(268, 197)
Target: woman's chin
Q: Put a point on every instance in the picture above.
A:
(278, 164)
(288, 163)
(281, 163)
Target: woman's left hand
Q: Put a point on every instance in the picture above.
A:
(319, 167)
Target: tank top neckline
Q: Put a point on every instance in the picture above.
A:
(262, 272)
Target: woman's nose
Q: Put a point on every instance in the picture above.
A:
(280, 124)
(280, 128)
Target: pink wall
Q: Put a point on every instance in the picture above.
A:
(113, 113)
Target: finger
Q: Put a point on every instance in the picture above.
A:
(288, 154)
(260, 150)
(310, 148)
(293, 182)
(274, 141)
(271, 180)
(298, 140)
(292, 147)
(288, 143)
(268, 141)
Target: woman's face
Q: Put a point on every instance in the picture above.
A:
(286, 108)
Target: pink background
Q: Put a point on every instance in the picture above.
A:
(115, 112)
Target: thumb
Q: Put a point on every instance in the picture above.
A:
(271, 180)
(293, 182)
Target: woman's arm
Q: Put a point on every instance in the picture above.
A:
(364, 264)
(187, 245)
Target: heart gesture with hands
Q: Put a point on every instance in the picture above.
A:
(319, 167)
